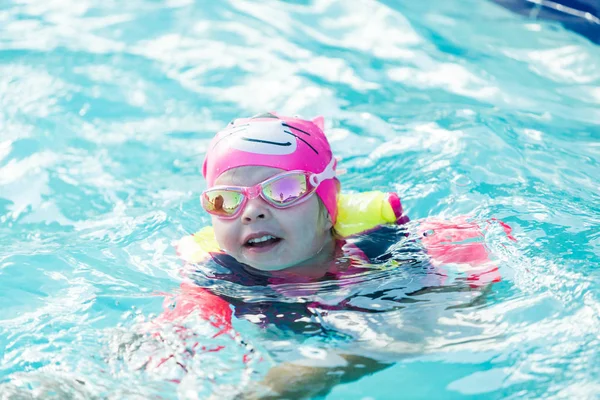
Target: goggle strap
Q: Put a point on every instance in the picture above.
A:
(328, 173)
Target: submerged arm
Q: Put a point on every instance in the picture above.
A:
(297, 381)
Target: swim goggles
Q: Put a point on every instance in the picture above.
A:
(280, 191)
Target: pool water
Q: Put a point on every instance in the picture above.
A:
(463, 108)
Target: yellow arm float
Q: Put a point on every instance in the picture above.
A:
(359, 212)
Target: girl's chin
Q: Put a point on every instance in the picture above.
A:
(265, 260)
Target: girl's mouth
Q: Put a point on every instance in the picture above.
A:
(263, 242)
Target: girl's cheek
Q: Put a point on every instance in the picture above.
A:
(223, 233)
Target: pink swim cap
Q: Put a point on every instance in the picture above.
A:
(271, 140)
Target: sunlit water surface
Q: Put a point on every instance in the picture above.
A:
(106, 109)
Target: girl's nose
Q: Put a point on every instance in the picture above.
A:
(255, 210)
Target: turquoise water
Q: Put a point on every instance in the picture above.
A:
(106, 108)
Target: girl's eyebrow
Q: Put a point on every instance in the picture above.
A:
(232, 176)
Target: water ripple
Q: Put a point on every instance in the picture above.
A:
(106, 109)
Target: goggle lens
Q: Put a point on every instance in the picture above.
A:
(222, 203)
(286, 190)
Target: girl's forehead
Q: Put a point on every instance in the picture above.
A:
(246, 176)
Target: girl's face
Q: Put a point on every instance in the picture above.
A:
(267, 238)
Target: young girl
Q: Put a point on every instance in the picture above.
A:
(273, 196)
